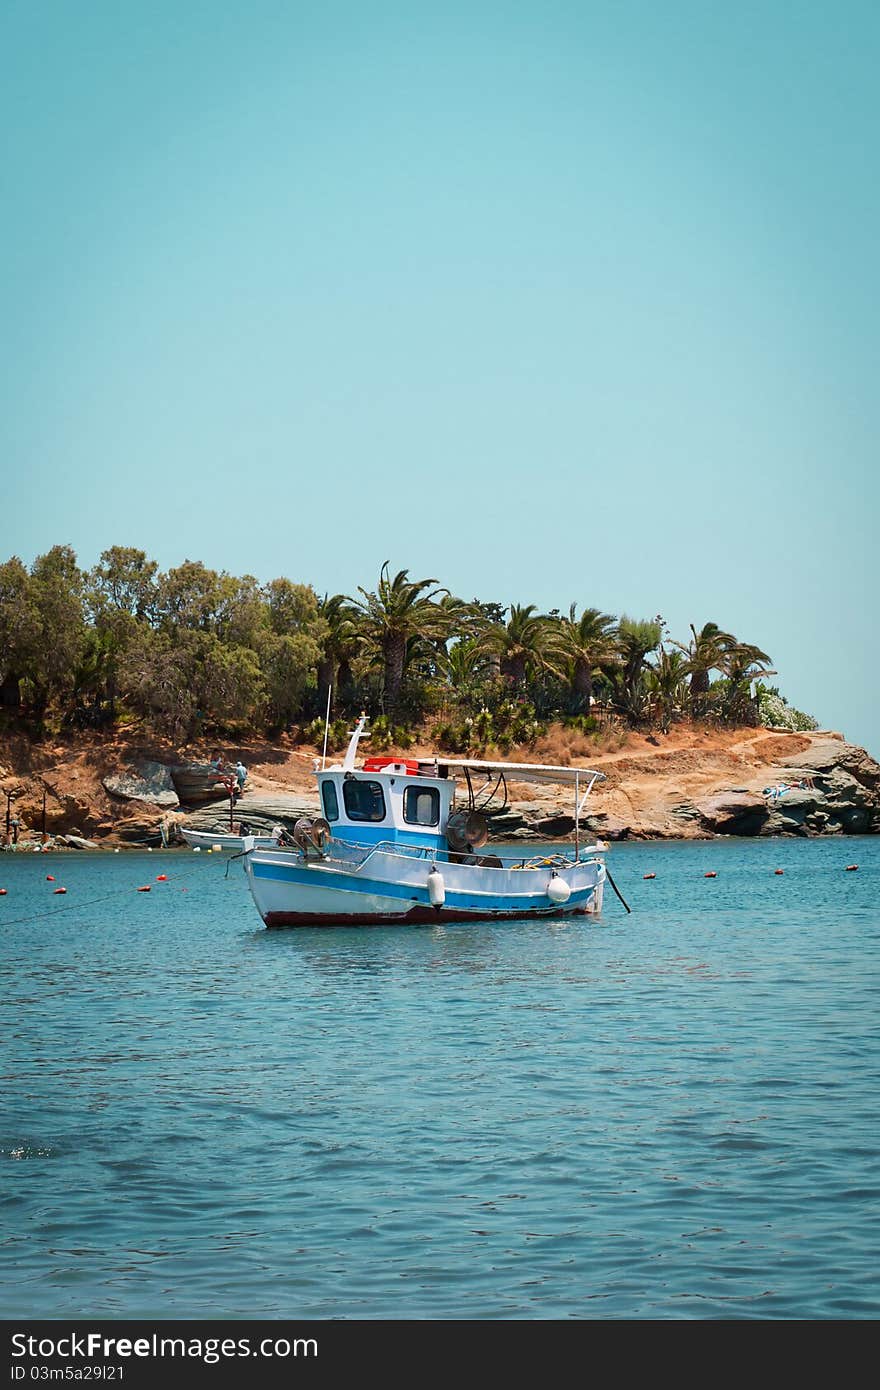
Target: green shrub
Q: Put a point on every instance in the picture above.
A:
(456, 736)
(337, 738)
(384, 735)
(775, 711)
(583, 723)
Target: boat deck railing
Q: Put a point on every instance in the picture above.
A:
(360, 854)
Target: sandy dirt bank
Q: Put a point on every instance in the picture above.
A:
(690, 783)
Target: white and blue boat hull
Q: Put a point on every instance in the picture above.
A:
(384, 886)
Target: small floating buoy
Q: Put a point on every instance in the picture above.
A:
(850, 868)
(145, 889)
(649, 875)
(50, 878)
(436, 887)
(161, 878)
(197, 849)
(710, 874)
(2, 892)
(779, 871)
(558, 891)
(60, 890)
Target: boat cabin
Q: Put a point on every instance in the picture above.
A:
(387, 801)
(408, 802)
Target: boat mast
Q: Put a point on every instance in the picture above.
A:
(351, 751)
(326, 728)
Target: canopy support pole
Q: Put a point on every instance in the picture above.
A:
(577, 816)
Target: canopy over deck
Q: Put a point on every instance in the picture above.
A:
(524, 772)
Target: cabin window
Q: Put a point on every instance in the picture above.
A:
(363, 800)
(330, 800)
(421, 806)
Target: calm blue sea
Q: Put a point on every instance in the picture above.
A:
(672, 1114)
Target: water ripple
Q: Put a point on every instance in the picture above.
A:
(669, 1115)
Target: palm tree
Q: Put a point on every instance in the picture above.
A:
(705, 651)
(339, 643)
(467, 667)
(743, 664)
(635, 639)
(527, 643)
(586, 641)
(394, 618)
(666, 684)
(457, 619)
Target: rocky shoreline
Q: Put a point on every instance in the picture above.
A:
(695, 784)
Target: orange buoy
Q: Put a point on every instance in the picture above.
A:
(50, 878)
(145, 889)
(649, 875)
(779, 871)
(161, 878)
(851, 867)
(60, 890)
(710, 874)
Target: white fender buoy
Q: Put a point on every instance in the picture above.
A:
(436, 888)
(558, 891)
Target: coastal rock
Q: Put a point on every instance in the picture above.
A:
(143, 831)
(607, 826)
(555, 825)
(833, 788)
(66, 812)
(144, 781)
(78, 842)
(733, 813)
(259, 814)
(508, 823)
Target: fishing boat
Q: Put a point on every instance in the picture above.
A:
(226, 840)
(400, 841)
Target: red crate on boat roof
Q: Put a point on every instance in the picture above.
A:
(409, 765)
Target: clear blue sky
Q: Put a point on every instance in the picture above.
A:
(554, 301)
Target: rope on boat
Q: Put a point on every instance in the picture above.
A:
(616, 889)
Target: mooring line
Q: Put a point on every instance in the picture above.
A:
(91, 902)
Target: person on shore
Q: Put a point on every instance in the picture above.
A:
(241, 774)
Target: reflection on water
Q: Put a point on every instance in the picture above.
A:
(624, 1118)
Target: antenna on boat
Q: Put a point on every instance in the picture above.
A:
(326, 728)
